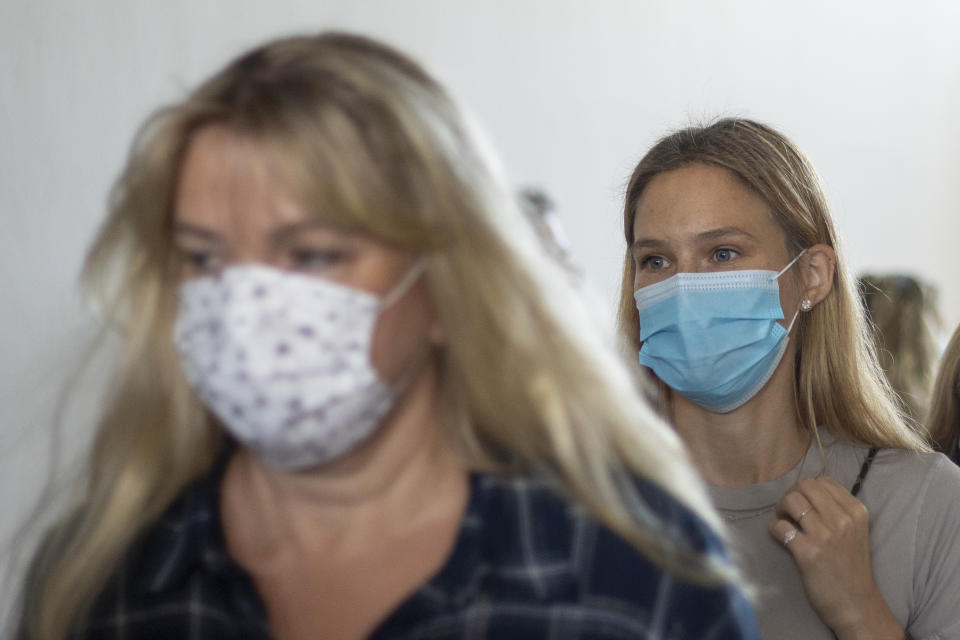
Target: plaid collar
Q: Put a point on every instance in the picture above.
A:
(526, 563)
(189, 538)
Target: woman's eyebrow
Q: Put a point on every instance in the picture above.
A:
(724, 232)
(185, 228)
(647, 243)
(287, 232)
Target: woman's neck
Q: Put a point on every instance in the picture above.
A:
(758, 442)
(404, 475)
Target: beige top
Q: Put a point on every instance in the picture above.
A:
(914, 504)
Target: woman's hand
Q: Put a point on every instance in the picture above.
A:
(827, 531)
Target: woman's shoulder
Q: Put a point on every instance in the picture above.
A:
(536, 503)
(894, 469)
(925, 482)
(535, 513)
(922, 467)
(550, 542)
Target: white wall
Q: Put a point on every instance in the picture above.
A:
(571, 92)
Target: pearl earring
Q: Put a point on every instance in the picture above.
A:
(806, 305)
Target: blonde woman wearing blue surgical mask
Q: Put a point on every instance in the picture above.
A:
(356, 399)
(736, 298)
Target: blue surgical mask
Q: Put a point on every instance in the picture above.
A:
(714, 337)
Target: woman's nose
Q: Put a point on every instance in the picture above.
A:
(686, 263)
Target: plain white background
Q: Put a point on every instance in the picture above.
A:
(571, 93)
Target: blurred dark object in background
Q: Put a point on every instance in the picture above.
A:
(539, 210)
(903, 311)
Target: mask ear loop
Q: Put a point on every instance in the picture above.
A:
(405, 283)
(780, 273)
(789, 264)
(407, 376)
(790, 326)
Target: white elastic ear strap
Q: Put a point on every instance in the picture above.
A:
(790, 264)
(781, 272)
(794, 319)
(405, 283)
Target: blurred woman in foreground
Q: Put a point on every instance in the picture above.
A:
(356, 399)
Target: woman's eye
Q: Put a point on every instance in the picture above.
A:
(198, 262)
(654, 263)
(315, 259)
(724, 255)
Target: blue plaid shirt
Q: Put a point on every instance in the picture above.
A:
(526, 564)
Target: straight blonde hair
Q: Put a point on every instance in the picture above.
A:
(943, 421)
(839, 382)
(373, 145)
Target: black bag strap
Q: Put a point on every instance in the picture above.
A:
(864, 469)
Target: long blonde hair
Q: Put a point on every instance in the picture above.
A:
(372, 144)
(943, 421)
(839, 383)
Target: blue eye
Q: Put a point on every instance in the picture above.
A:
(724, 255)
(654, 263)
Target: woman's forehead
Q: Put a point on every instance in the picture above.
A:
(225, 177)
(699, 199)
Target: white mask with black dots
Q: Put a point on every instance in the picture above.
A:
(283, 360)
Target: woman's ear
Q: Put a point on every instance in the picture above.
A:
(818, 266)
